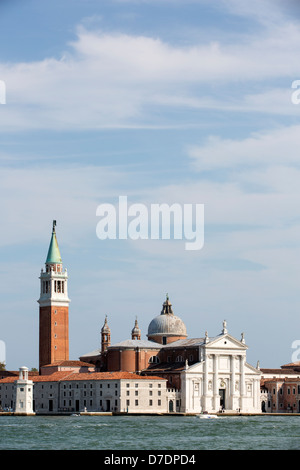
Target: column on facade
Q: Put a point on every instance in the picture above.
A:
(256, 395)
(205, 383)
(232, 378)
(216, 402)
(232, 382)
(242, 381)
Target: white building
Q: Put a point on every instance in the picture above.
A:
(222, 379)
(91, 392)
(23, 393)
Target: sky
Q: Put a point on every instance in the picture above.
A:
(164, 102)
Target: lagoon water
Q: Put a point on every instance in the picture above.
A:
(149, 433)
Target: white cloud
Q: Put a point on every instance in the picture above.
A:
(277, 147)
(113, 79)
(43, 194)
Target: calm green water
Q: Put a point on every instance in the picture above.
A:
(149, 433)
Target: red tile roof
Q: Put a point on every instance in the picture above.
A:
(110, 376)
(76, 376)
(69, 364)
(55, 377)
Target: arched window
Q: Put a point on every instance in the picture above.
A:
(179, 359)
(154, 360)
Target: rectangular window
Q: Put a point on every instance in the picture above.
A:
(150, 402)
(136, 403)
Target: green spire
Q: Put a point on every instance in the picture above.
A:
(53, 256)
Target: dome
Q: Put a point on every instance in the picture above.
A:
(167, 324)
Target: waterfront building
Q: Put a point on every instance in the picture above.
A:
(167, 372)
(207, 374)
(91, 392)
(222, 380)
(281, 389)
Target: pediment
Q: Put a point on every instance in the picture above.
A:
(226, 341)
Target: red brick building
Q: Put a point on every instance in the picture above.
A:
(164, 353)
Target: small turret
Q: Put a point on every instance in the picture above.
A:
(136, 332)
(105, 336)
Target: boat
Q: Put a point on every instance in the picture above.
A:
(207, 416)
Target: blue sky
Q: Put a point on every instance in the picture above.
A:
(165, 102)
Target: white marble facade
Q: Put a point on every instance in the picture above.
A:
(222, 379)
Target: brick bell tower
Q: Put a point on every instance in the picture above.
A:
(54, 308)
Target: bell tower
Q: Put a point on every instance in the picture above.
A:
(54, 307)
(105, 336)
